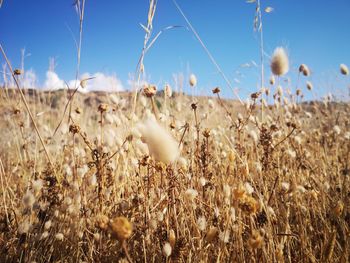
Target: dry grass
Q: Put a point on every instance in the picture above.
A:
(241, 190)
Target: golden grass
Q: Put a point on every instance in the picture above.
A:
(241, 190)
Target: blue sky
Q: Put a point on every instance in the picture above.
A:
(314, 32)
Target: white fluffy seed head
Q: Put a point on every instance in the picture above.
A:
(249, 188)
(168, 91)
(167, 249)
(37, 185)
(285, 186)
(182, 163)
(47, 225)
(344, 69)
(93, 180)
(280, 91)
(202, 223)
(279, 62)
(337, 129)
(44, 235)
(193, 80)
(24, 227)
(59, 236)
(161, 145)
(28, 199)
(191, 194)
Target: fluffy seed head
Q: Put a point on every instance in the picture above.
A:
(47, 225)
(202, 223)
(102, 221)
(161, 145)
(28, 199)
(167, 249)
(191, 194)
(305, 70)
(309, 85)
(193, 80)
(344, 69)
(167, 90)
(279, 63)
(59, 236)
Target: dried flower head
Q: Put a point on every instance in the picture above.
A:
(17, 72)
(344, 69)
(216, 90)
(239, 192)
(149, 90)
(121, 228)
(193, 80)
(102, 222)
(78, 110)
(249, 205)
(279, 63)
(103, 107)
(256, 240)
(74, 128)
(161, 145)
(338, 209)
(272, 80)
(211, 234)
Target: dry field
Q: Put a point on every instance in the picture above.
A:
(160, 176)
(183, 179)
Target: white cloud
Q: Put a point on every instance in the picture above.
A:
(29, 80)
(98, 82)
(53, 81)
(102, 82)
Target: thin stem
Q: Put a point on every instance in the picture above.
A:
(261, 56)
(27, 108)
(208, 52)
